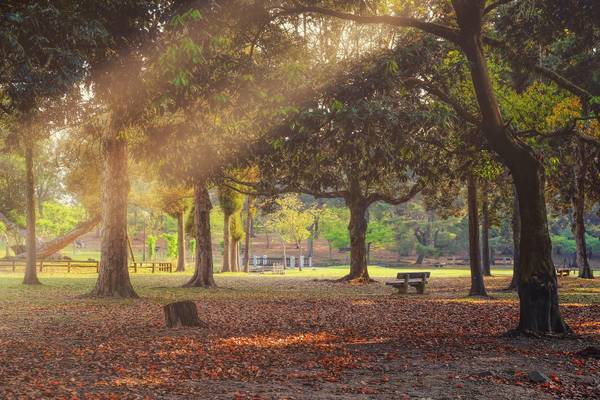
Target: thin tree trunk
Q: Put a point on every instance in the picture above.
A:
(516, 228)
(299, 255)
(249, 216)
(226, 243)
(538, 288)
(30, 268)
(311, 240)
(180, 242)
(144, 246)
(235, 256)
(358, 246)
(578, 202)
(113, 279)
(284, 253)
(485, 232)
(203, 274)
(477, 283)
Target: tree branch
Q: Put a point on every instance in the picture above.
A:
(446, 98)
(393, 20)
(567, 131)
(495, 5)
(272, 190)
(414, 190)
(532, 65)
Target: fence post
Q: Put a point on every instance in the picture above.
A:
(152, 267)
(68, 267)
(254, 260)
(301, 261)
(41, 265)
(135, 267)
(292, 261)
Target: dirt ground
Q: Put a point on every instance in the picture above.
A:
(283, 338)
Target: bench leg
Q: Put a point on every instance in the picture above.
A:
(403, 289)
(420, 288)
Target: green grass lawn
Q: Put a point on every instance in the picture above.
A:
(166, 286)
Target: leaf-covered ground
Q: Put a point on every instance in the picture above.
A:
(288, 337)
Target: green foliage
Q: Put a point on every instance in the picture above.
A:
(236, 228)
(291, 219)
(171, 240)
(230, 200)
(192, 243)
(426, 250)
(334, 226)
(151, 246)
(380, 232)
(59, 219)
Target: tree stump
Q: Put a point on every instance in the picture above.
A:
(182, 313)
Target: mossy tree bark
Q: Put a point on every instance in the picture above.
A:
(180, 241)
(226, 267)
(248, 230)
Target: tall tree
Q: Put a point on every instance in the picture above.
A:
(538, 292)
(39, 68)
(366, 143)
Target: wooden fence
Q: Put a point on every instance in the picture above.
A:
(42, 265)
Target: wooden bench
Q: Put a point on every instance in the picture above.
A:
(563, 271)
(418, 280)
(275, 268)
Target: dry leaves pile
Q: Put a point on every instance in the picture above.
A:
(361, 344)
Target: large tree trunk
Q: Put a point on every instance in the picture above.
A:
(578, 202)
(226, 243)
(180, 242)
(249, 220)
(53, 246)
(485, 232)
(516, 229)
(358, 246)
(477, 283)
(538, 289)
(203, 274)
(113, 279)
(30, 267)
